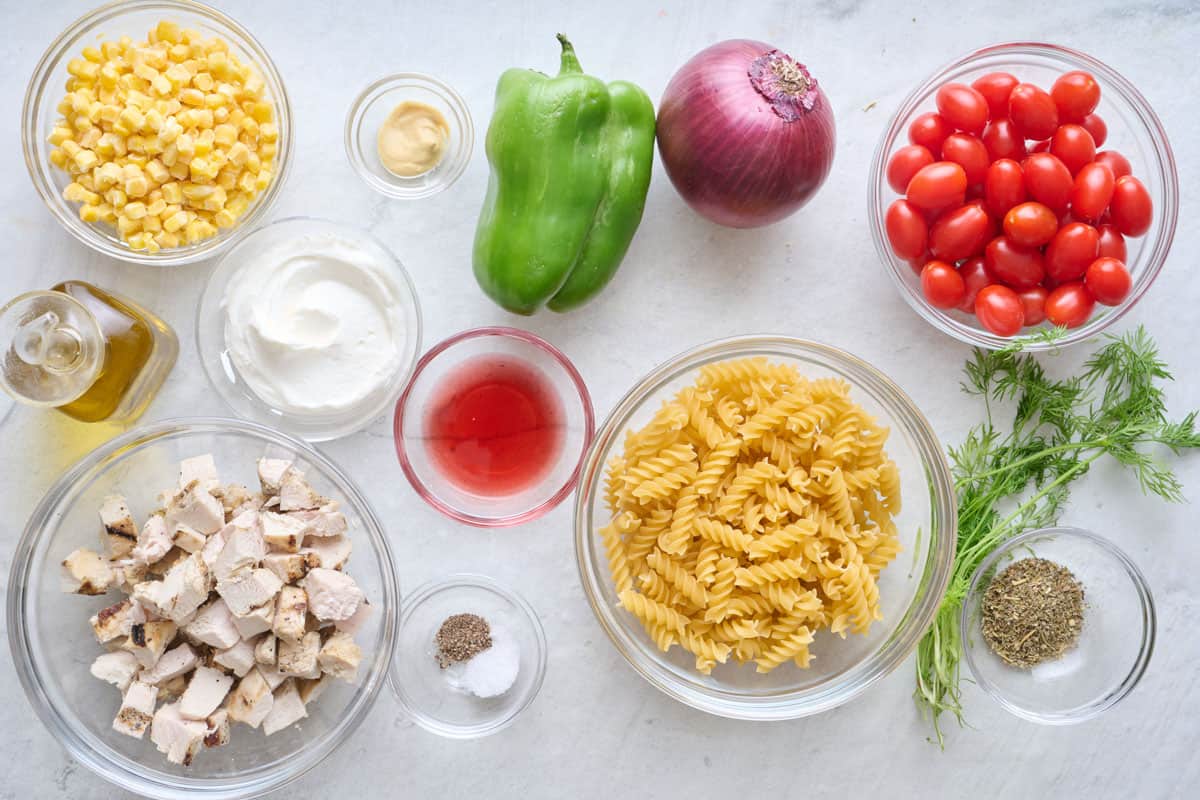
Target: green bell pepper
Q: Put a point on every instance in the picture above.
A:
(570, 167)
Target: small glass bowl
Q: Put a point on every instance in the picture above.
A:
(1133, 129)
(372, 107)
(52, 646)
(489, 511)
(419, 683)
(910, 588)
(223, 373)
(135, 18)
(1114, 646)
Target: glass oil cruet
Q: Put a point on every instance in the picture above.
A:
(87, 352)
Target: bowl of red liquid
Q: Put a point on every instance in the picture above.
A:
(493, 427)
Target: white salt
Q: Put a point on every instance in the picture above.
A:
(492, 672)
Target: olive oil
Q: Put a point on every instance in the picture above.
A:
(87, 352)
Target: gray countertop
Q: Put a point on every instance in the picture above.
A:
(596, 729)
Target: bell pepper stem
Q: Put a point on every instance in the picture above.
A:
(569, 61)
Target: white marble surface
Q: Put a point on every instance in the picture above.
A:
(596, 729)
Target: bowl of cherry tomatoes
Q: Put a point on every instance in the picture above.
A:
(1021, 187)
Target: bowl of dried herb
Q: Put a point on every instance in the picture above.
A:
(1058, 625)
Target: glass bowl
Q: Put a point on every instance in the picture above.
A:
(52, 644)
(1133, 129)
(372, 107)
(223, 373)
(135, 18)
(420, 685)
(1114, 645)
(444, 361)
(910, 588)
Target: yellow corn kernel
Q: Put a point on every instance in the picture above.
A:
(223, 135)
(166, 31)
(90, 213)
(127, 226)
(196, 192)
(137, 187)
(227, 178)
(85, 180)
(250, 128)
(136, 144)
(213, 101)
(171, 129)
(74, 193)
(179, 170)
(116, 198)
(267, 151)
(166, 239)
(157, 207)
(215, 201)
(179, 53)
(262, 180)
(238, 153)
(172, 192)
(82, 123)
(85, 159)
(178, 75)
(109, 75)
(186, 145)
(203, 169)
(161, 85)
(157, 171)
(198, 230)
(191, 97)
(145, 72)
(59, 135)
(263, 112)
(106, 175)
(175, 221)
(79, 103)
(204, 118)
(247, 181)
(203, 81)
(90, 138)
(83, 69)
(131, 120)
(238, 204)
(221, 115)
(225, 218)
(93, 54)
(268, 132)
(109, 113)
(58, 158)
(135, 210)
(152, 224)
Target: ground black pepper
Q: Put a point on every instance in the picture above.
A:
(1032, 612)
(461, 638)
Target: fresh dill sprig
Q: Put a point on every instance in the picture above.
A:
(1113, 408)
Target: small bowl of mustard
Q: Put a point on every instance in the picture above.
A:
(409, 135)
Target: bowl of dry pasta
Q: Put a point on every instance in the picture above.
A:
(765, 527)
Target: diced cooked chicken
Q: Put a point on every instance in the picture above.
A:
(214, 626)
(188, 539)
(325, 521)
(244, 547)
(250, 700)
(296, 495)
(246, 591)
(353, 623)
(310, 690)
(237, 499)
(205, 692)
(86, 572)
(117, 667)
(287, 709)
(290, 567)
(120, 534)
(197, 508)
(114, 621)
(300, 658)
(238, 659)
(332, 551)
(217, 729)
(270, 474)
(291, 612)
(332, 595)
(340, 656)
(273, 677)
(282, 533)
(211, 551)
(264, 650)
(168, 562)
(137, 709)
(129, 573)
(177, 661)
(175, 735)
(181, 591)
(154, 541)
(148, 640)
(257, 621)
(202, 469)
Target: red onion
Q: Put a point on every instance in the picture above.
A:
(745, 133)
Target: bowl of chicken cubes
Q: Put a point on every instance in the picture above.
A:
(202, 607)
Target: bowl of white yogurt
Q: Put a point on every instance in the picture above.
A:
(309, 326)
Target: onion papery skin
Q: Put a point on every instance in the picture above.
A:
(731, 155)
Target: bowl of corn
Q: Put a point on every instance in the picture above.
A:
(156, 131)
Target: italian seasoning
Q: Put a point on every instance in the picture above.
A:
(461, 638)
(1032, 612)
